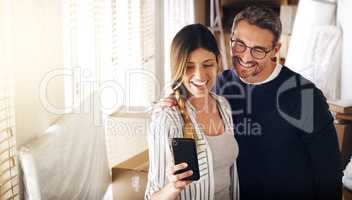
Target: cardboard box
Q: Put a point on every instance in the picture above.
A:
(347, 194)
(129, 178)
(126, 133)
(341, 106)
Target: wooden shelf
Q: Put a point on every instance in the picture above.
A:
(347, 194)
(347, 117)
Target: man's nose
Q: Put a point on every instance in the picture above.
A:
(246, 56)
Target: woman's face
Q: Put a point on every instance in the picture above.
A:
(201, 72)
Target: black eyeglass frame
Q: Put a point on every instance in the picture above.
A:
(233, 44)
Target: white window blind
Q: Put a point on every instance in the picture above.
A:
(9, 188)
(134, 49)
(177, 15)
(8, 165)
(111, 45)
(87, 33)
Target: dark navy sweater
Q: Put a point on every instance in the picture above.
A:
(288, 146)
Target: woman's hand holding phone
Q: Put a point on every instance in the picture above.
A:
(177, 179)
(176, 183)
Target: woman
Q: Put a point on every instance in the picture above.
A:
(195, 64)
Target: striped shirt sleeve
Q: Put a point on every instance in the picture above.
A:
(163, 126)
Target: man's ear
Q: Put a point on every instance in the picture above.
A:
(277, 47)
(275, 51)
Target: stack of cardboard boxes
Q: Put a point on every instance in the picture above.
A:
(129, 178)
(126, 139)
(342, 110)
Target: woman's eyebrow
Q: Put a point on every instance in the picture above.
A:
(211, 59)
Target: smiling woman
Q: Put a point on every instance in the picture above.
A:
(200, 115)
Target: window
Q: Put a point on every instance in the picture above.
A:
(117, 47)
(8, 163)
(134, 54)
(110, 46)
(86, 46)
(177, 14)
(9, 188)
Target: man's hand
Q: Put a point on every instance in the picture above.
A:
(168, 101)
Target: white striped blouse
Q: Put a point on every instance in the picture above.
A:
(168, 124)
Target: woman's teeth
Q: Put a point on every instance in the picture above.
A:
(199, 83)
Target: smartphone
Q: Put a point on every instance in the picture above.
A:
(184, 150)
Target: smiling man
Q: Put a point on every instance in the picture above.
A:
(288, 147)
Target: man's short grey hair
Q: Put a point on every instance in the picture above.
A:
(262, 17)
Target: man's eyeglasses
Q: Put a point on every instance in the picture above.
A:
(238, 46)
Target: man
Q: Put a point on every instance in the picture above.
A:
(288, 146)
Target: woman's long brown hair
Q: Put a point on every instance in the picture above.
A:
(188, 39)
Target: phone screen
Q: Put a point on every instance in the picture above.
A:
(184, 150)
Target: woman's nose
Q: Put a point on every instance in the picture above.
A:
(199, 72)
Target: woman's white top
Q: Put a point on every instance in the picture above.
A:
(224, 153)
(168, 124)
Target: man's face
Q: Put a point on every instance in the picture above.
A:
(252, 51)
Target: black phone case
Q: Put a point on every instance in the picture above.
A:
(184, 150)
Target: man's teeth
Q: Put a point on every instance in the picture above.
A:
(244, 64)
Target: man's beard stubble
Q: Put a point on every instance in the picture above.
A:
(246, 74)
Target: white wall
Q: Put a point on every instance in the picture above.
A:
(344, 16)
(37, 49)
